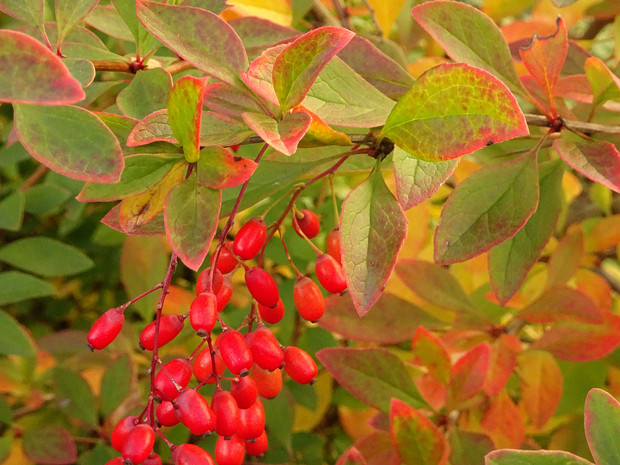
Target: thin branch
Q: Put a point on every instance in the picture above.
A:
(581, 126)
(178, 66)
(117, 66)
(343, 14)
(374, 18)
(323, 14)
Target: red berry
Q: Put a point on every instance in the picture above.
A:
(262, 287)
(180, 370)
(105, 329)
(139, 444)
(269, 383)
(169, 327)
(299, 365)
(121, 430)
(265, 348)
(224, 294)
(272, 315)
(308, 299)
(191, 454)
(195, 413)
(257, 446)
(226, 262)
(330, 274)
(203, 313)
(227, 412)
(203, 366)
(229, 451)
(202, 283)
(252, 421)
(250, 238)
(332, 244)
(153, 459)
(235, 352)
(244, 390)
(307, 224)
(165, 414)
(115, 461)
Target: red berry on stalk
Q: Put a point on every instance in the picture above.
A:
(308, 299)
(235, 352)
(121, 430)
(272, 315)
(203, 366)
(227, 412)
(299, 365)
(203, 313)
(269, 383)
(308, 224)
(257, 446)
(330, 274)
(180, 370)
(229, 451)
(250, 238)
(139, 444)
(202, 283)
(191, 454)
(224, 294)
(195, 413)
(153, 459)
(252, 421)
(165, 414)
(332, 244)
(262, 287)
(244, 390)
(226, 262)
(105, 329)
(265, 348)
(169, 327)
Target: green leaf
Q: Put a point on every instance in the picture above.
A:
(16, 286)
(115, 385)
(468, 448)
(230, 101)
(74, 395)
(12, 211)
(68, 14)
(28, 11)
(99, 454)
(127, 11)
(511, 260)
(468, 106)
(373, 227)
(44, 256)
(533, 457)
(198, 36)
(147, 92)
(43, 77)
(602, 425)
(487, 208)
(300, 62)
(71, 141)
(5, 447)
(46, 199)
(283, 135)
(185, 112)
(219, 169)
(468, 35)
(605, 84)
(49, 444)
(14, 339)
(258, 34)
(191, 213)
(108, 20)
(373, 375)
(81, 70)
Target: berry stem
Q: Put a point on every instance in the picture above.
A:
(288, 256)
(122, 308)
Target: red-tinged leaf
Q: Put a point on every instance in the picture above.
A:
(596, 287)
(319, 134)
(503, 422)
(468, 448)
(229, 100)
(392, 321)
(541, 385)
(468, 35)
(467, 375)
(502, 362)
(299, 64)
(544, 59)
(417, 179)
(429, 351)
(595, 159)
(43, 77)
(30, 12)
(155, 227)
(418, 440)
(219, 169)
(605, 84)
(373, 227)
(560, 303)
(68, 14)
(258, 34)
(49, 444)
(533, 457)
(373, 375)
(482, 211)
(536, 94)
(579, 342)
(467, 105)
(198, 36)
(283, 135)
(351, 456)
(71, 141)
(185, 112)
(602, 425)
(566, 258)
(154, 127)
(510, 261)
(378, 449)
(259, 76)
(433, 391)
(575, 87)
(191, 213)
(148, 91)
(604, 235)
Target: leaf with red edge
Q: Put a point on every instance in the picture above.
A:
(259, 76)
(283, 135)
(541, 385)
(373, 227)
(373, 375)
(534, 457)
(483, 210)
(503, 422)
(49, 444)
(605, 84)
(392, 321)
(467, 375)
(579, 342)
(198, 36)
(68, 14)
(43, 77)
(467, 105)
(602, 425)
(229, 100)
(191, 214)
(148, 91)
(155, 227)
(152, 128)
(378, 449)
(502, 362)
(596, 287)
(299, 64)
(418, 440)
(219, 169)
(71, 141)
(595, 159)
(604, 235)
(566, 258)
(544, 59)
(429, 351)
(561, 303)
(320, 134)
(352, 456)
(185, 112)
(432, 390)
(536, 94)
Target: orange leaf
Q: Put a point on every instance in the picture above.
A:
(541, 385)
(468, 374)
(428, 351)
(503, 422)
(502, 363)
(566, 257)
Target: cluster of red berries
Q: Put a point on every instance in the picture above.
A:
(255, 358)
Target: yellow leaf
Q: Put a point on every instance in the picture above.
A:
(306, 419)
(500, 9)
(424, 64)
(93, 377)
(545, 10)
(278, 11)
(386, 13)
(178, 301)
(319, 133)
(355, 422)
(17, 456)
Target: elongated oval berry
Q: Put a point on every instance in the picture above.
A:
(268, 383)
(226, 262)
(153, 459)
(227, 412)
(330, 274)
(105, 329)
(229, 451)
(250, 238)
(191, 454)
(262, 287)
(272, 315)
(165, 414)
(308, 224)
(235, 352)
(299, 365)
(178, 370)
(121, 430)
(203, 366)
(195, 413)
(202, 283)
(258, 446)
(224, 294)
(252, 421)
(332, 244)
(169, 327)
(139, 444)
(203, 313)
(265, 348)
(244, 390)
(308, 299)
